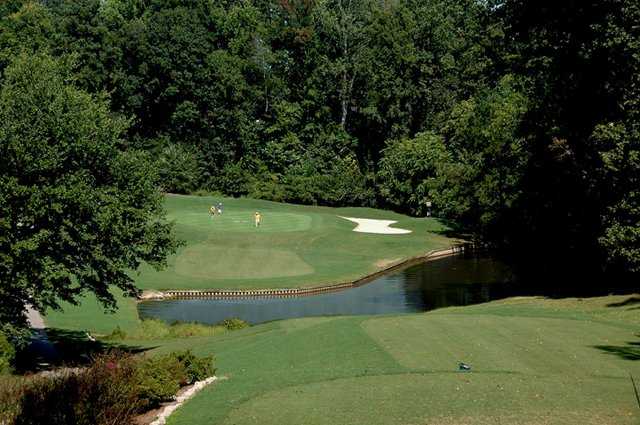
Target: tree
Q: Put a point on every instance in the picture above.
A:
(342, 24)
(24, 28)
(409, 170)
(178, 169)
(581, 58)
(482, 187)
(77, 212)
(618, 142)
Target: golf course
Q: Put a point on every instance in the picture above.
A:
(294, 246)
(319, 212)
(532, 360)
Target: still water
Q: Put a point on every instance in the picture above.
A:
(450, 281)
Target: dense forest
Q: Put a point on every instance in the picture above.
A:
(517, 120)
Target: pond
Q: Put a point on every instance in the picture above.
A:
(451, 281)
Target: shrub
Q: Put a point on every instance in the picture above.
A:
(7, 354)
(158, 379)
(196, 368)
(111, 391)
(117, 333)
(234, 324)
(157, 329)
(102, 394)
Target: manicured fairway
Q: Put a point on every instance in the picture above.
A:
(534, 362)
(295, 246)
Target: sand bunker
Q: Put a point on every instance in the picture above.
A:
(367, 225)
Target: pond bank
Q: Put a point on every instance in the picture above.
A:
(297, 292)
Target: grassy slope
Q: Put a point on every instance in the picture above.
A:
(534, 361)
(295, 246)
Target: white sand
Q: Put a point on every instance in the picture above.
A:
(367, 225)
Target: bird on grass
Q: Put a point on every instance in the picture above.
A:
(463, 367)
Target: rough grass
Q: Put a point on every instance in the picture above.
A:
(534, 361)
(153, 329)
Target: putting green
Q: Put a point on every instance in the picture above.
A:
(242, 221)
(219, 262)
(295, 246)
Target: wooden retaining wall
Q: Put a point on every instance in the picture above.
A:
(297, 292)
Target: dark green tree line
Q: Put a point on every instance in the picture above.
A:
(518, 120)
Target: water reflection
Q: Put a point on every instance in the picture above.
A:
(446, 282)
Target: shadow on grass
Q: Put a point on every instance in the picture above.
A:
(61, 347)
(629, 301)
(452, 230)
(631, 351)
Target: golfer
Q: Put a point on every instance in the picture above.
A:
(212, 211)
(220, 208)
(258, 218)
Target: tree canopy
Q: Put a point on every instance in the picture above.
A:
(77, 212)
(516, 119)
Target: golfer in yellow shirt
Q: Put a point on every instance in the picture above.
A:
(258, 218)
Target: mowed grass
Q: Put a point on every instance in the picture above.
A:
(534, 361)
(295, 246)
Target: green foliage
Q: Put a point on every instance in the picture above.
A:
(232, 179)
(620, 152)
(158, 379)
(481, 187)
(196, 368)
(409, 170)
(25, 28)
(77, 211)
(581, 61)
(102, 394)
(154, 329)
(113, 389)
(312, 101)
(7, 354)
(178, 169)
(117, 334)
(234, 324)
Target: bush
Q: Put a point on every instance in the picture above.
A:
(114, 389)
(234, 324)
(157, 329)
(158, 379)
(103, 394)
(196, 368)
(117, 333)
(7, 354)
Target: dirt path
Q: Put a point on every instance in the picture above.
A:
(35, 318)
